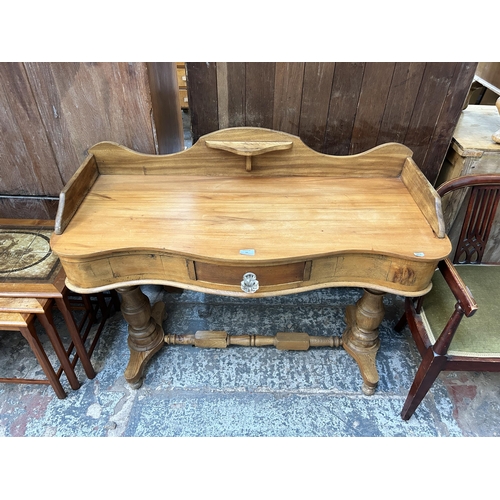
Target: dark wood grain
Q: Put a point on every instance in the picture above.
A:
(346, 88)
(28, 165)
(84, 103)
(202, 96)
(289, 80)
(317, 89)
(377, 79)
(433, 90)
(28, 207)
(489, 72)
(448, 119)
(164, 92)
(345, 107)
(259, 78)
(231, 91)
(236, 77)
(405, 85)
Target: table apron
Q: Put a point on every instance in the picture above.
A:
(401, 276)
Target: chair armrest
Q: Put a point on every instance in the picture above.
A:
(468, 180)
(458, 287)
(465, 305)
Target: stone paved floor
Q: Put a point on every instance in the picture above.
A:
(242, 391)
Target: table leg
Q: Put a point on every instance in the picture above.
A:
(145, 332)
(360, 338)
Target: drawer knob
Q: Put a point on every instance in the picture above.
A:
(249, 283)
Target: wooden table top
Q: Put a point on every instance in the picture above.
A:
(254, 199)
(28, 267)
(279, 218)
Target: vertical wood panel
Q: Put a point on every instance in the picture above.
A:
(164, 92)
(236, 79)
(222, 95)
(27, 162)
(202, 96)
(259, 84)
(448, 119)
(84, 103)
(371, 106)
(435, 84)
(288, 85)
(347, 80)
(490, 72)
(401, 102)
(231, 94)
(318, 78)
(368, 104)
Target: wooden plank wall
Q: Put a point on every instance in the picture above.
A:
(336, 108)
(489, 73)
(51, 113)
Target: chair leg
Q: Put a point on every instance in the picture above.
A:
(63, 306)
(427, 372)
(401, 323)
(47, 322)
(29, 333)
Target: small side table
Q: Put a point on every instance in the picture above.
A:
(18, 314)
(29, 270)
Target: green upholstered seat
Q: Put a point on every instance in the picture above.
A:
(478, 335)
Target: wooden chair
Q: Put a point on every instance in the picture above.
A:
(443, 339)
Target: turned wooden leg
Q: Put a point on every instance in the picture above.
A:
(145, 332)
(360, 338)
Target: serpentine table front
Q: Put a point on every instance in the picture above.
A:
(250, 212)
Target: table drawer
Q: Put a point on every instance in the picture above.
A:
(266, 275)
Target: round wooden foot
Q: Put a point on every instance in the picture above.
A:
(134, 373)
